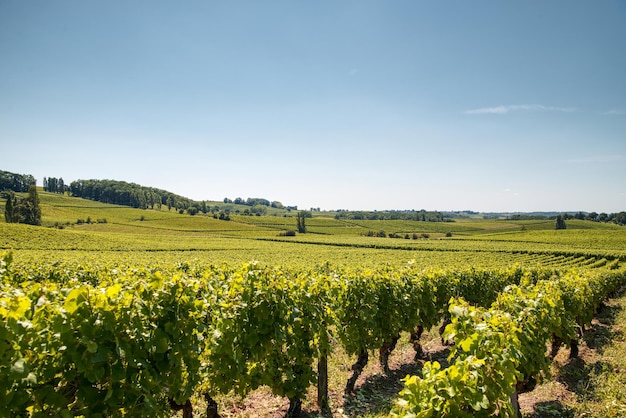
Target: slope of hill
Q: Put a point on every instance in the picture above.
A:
(72, 224)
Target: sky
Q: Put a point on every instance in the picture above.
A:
(360, 105)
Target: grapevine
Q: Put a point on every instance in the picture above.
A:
(119, 340)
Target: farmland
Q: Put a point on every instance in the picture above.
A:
(159, 236)
(337, 267)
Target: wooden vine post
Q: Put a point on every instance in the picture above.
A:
(322, 370)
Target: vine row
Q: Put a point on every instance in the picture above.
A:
(142, 340)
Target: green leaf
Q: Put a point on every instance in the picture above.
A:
(73, 300)
(92, 346)
(161, 341)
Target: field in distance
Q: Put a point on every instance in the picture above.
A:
(82, 230)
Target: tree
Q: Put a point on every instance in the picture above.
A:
(23, 210)
(28, 209)
(54, 185)
(258, 210)
(300, 222)
(560, 222)
(10, 215)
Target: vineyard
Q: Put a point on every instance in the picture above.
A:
(154, 312)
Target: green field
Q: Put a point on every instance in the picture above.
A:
(122, 234)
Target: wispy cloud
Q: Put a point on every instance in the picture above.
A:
(616, 112)
(499, 110)
(596, 159)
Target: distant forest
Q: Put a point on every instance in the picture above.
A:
(405, 215)
(617, 218)
(127, 194)
(16, 182)
(141, 197)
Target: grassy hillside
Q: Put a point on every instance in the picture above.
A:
(82, 229)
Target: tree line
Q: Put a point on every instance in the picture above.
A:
(258, 201)
(129, 194)
(617, 218)
(142, 197)
(402, 215)
(16, 182)
(55, 185)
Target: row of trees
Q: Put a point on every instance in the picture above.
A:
(404, 215)
(255, 201)
(137, 196)
(24, 210)
(16, 182)
(55, 185)
(618, 218)
(129, 194)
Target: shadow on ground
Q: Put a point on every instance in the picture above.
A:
(551, 409)
(378, 392)
(577, 374)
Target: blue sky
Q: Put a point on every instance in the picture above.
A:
(481, 105)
